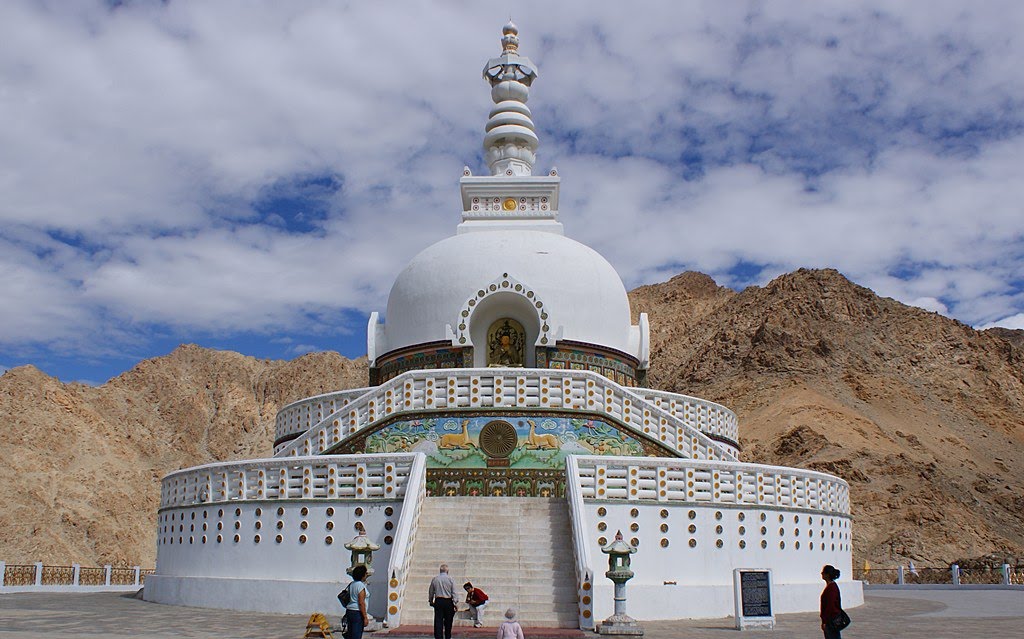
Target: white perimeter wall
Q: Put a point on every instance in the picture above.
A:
(302, 577)
(292, 575)
(700, 560)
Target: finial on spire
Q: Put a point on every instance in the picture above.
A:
(510, 37)
(510, 142)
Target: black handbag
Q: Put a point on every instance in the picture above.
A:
(840, 621)
(345, 596)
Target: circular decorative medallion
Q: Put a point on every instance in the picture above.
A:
(498, 439)
(509, 205)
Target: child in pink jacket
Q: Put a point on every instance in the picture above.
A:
(510, 628)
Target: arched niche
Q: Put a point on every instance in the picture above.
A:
(499, 306)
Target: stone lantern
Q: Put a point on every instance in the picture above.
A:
(618, 571)
(362, 551)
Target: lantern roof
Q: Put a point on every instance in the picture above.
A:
(618, 546)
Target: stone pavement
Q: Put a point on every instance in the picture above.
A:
(907, 614)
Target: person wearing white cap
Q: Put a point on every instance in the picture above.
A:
(510, 628)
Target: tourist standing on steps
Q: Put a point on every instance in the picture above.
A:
(831, 603)
(510, 628)
(355, 611)
(477, 600)
(441, 597)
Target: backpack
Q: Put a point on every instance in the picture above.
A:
(345, 596)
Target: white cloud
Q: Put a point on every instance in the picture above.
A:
(929, 304)
(302, 349)
(39, 291)
(1013, 321)
(140, 144)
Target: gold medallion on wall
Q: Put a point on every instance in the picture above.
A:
(497, 440)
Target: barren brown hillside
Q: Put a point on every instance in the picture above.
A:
(82, 465)
(922, 415)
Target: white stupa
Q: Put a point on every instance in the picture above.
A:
(509, 257)
(507, 384)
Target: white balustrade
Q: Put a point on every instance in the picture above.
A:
(707, 416)
(316, 477)
(298, 417)
(440, 389)
(405, 538)
(584, 570)
(701, 481)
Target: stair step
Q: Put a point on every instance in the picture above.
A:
(523, 607)
(518, 550)
(493, 617)
(547, 596)
(492, 572)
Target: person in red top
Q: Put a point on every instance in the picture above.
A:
(831, 602)
(477, 600)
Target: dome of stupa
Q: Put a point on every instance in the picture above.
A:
(564, 285)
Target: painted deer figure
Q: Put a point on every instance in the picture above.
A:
(533, 440)
(457, 440)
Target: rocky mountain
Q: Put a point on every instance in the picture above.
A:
(923, 415)
(82, 465)
(1014, 336)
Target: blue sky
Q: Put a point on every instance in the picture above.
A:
(253, 175)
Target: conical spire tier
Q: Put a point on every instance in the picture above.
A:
(511, 197)
(510, 140)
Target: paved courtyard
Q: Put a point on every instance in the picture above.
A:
(908, 614)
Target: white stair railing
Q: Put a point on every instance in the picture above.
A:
(584, 571)
(405, 539)
(298, 417)
(709, 417)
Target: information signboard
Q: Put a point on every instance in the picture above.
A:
(753, 593)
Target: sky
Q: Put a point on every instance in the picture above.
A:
(252, 176)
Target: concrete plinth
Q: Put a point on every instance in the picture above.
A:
(620, 625)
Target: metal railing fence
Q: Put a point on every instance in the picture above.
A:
(40, 575)
(953, 575)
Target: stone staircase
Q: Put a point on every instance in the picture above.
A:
(516, 549)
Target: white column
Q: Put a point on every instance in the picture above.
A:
(1006, 574)
(137, 575)
(39, 573)
(955, 572)
(77, 574)
(106, 574)
(3, 572)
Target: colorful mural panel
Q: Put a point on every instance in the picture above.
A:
(481, 482)
(434, 358)
(503, 440)
(565, 357)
